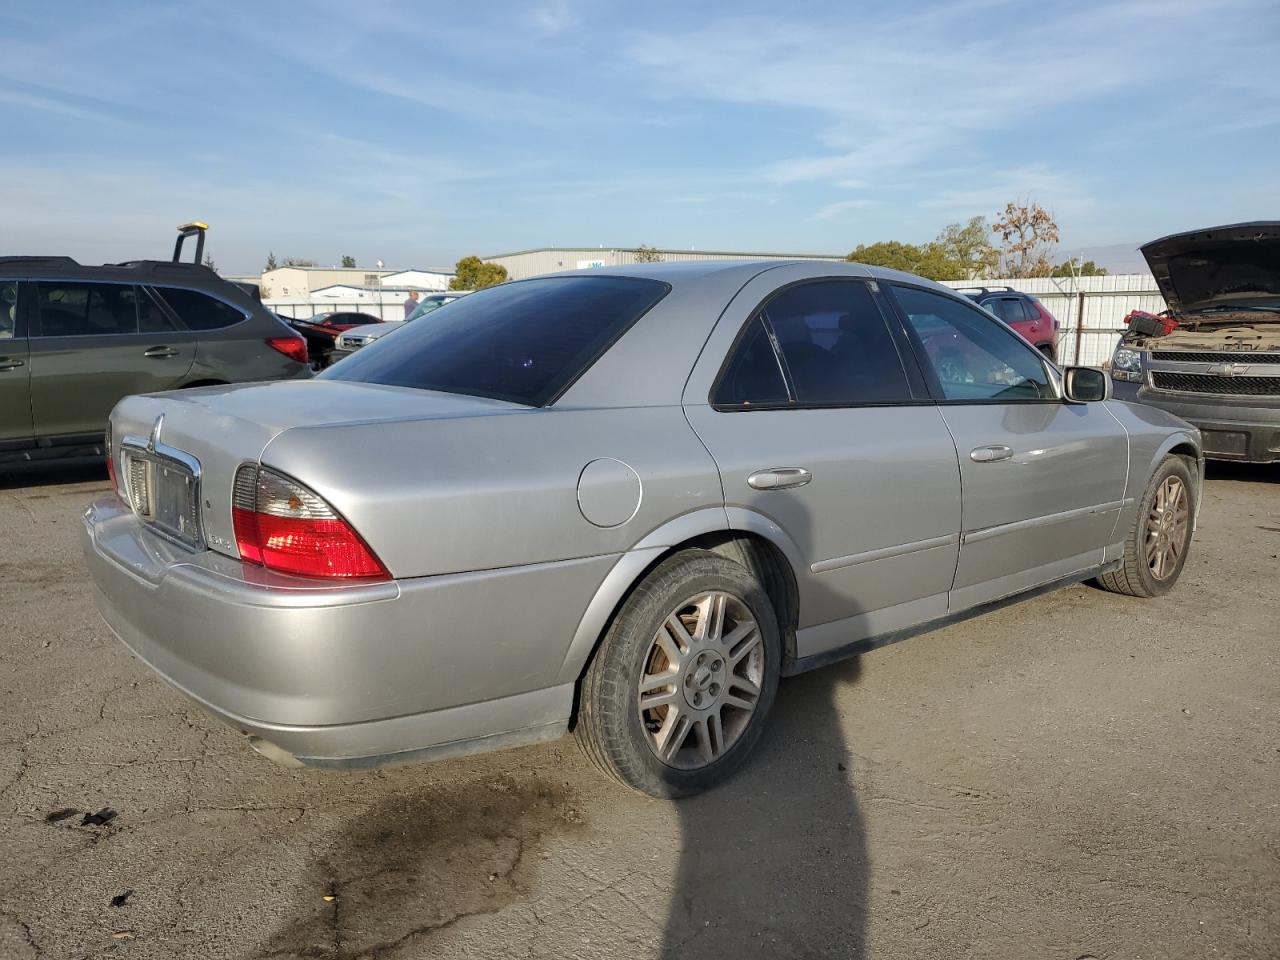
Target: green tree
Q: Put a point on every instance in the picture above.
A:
(272, 264)
(348, 261)
(928, 260)
(1069, 268)
(644, 254)
(968, 250)
(472, 273)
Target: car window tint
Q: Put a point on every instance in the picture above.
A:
(199, 311)
(835, 344)
(974, 358)
(8, 309)
(151, 319)
(85, 309)
(752, 377)
(524, 342)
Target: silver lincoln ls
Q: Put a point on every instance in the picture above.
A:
(623, 502)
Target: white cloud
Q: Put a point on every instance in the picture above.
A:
(833, 210)
(552, 16)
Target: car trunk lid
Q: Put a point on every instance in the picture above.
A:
(212, 431)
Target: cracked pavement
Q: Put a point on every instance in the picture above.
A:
(1081, 775)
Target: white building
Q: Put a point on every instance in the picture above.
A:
(532, 263)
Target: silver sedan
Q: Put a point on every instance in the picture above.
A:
(623, 502)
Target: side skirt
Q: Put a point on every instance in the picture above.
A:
(866, 644)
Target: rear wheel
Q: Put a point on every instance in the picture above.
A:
(1050, 353)
(678, 693)
(1155, 550)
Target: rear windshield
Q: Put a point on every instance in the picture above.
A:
(525, 342)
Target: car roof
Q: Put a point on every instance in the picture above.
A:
(686, 271)
(194, 276)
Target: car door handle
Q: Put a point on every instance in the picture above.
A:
(991, 454)
(7, 363)
(160, 352)
(779, 478)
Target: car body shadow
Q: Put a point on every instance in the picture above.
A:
(774, 862)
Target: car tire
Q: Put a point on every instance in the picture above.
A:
(661, 654)
(1049, 352)
(1155, 549)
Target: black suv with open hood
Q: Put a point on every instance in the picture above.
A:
(1218, 366)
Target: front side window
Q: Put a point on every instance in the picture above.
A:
(86, 309)
(834, 346)
(524, 342)
(199, 311)
(974, 359)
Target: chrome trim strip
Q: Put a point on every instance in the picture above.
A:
(884, 553)
(987, 533)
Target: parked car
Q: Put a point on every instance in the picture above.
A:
(623, 501)
(352, 340)
(1214, 357)
(74, 339)
(1023, 312)
(323, 329)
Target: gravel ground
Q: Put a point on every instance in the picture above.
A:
(1078, 776)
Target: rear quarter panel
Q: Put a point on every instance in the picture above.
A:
(480, 493)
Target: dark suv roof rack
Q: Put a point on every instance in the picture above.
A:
(41, 261)
(983, 291)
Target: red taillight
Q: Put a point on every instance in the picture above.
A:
(295, 348)
(283, 526)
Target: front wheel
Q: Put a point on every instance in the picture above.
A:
(1155, 550)
(677, 695)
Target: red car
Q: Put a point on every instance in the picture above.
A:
(322, 332)
(1021, 311)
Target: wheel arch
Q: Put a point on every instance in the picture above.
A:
(750, 538)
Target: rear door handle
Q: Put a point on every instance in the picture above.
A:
(6, 363)
(160, 352)
(990, 454)
(779, 478)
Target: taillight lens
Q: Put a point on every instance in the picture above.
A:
(295, 348)
(283, 526)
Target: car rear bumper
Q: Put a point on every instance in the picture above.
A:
(348, 675)
(1246, 429)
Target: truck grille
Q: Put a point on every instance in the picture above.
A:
(1223, 386)
(1187, 356)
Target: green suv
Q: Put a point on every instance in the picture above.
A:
(75, 339)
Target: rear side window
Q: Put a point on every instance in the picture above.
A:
(86, 309)
(975, 359)
(525, 342)
(199, 311)
(8, 309)
(834, 345)
(753, 377)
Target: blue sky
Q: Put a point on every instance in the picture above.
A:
(417, 133)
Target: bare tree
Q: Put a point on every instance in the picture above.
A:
(1028, 234)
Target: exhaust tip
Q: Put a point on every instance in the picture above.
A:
(275, 754)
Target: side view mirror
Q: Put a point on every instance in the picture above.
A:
(1086, 384)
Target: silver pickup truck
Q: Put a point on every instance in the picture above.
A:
(1218, 367)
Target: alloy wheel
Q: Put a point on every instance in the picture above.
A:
(1167, 528)
(701, 680)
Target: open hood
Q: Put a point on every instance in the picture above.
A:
(1218, 266)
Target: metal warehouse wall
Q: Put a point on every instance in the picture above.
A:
(1090, 310)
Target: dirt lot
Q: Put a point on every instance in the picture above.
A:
(1080, 776)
